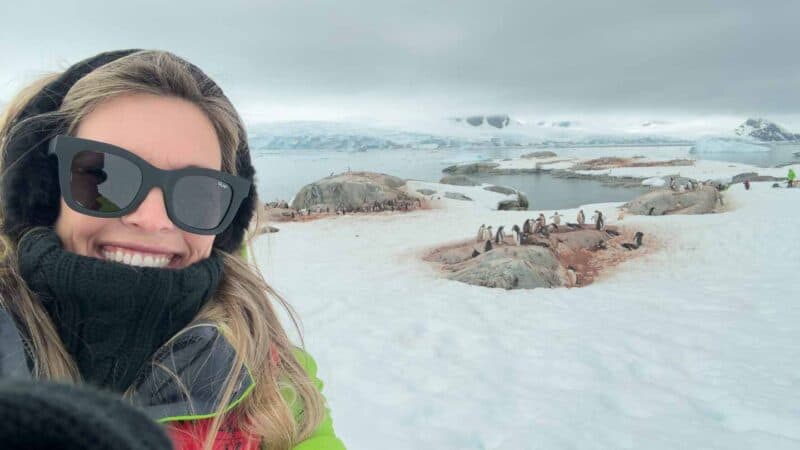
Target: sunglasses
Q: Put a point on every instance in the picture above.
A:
(103, 180)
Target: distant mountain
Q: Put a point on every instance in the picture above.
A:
(334, 136)
(765, 131)
(497, 120)
(559, 124)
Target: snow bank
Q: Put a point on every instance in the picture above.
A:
(655, 182)
(693, 346)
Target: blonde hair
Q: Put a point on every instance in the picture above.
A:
(241, 307)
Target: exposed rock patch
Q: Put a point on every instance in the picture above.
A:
(665, 201)
(541, 154)
(350, 190)
(568, 257)
(511, 268)
(456, 196)
(458, 180)
(614, 162)
(469, 169)
(501, 190)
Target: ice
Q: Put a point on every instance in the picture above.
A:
(727, 145)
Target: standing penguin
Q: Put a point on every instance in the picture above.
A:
(572, 275)
(517, 235)
(480, 233)
(537, 226)
(526, 226)
(488, 246)
(556, 220)
(500, 236)
(542, 219)
(599, 222)
(581, 218)
(488, 233)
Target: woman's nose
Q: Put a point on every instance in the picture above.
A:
(151, 215)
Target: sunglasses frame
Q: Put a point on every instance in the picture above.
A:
(66, 147)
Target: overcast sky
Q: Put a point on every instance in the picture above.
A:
(349, 58)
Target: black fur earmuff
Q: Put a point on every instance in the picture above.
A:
(29, 189)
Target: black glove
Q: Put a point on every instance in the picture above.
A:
(46, 415)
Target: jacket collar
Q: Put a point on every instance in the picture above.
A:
(183, 381)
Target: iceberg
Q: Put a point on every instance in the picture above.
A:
(727, 145)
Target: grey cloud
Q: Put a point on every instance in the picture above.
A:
(591, 56)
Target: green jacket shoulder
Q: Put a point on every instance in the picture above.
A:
(323, 438)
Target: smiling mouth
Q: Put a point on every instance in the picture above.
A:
(140, 259)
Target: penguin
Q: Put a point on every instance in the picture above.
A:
(637, 241)
(487, 246)
(475, 253)
(480, 233)
(500, 236)
(537, 226)
(526, 226)
(543, 220)
(581, 218)
(599, 222)
(517, 234)
(650, 212)
(556, 220)
(488, 233)
(572, 275)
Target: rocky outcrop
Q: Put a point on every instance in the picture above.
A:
(469, 169)
(426, 191)
(350, 190)
(458, 180)
(665, 201)
(456, 196)
(542, 154)
(753, 176)
(501, 190)
(511, 268)
(520, 203)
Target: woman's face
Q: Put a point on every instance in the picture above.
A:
(169, 133)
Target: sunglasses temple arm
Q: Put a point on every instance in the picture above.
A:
(51, 146)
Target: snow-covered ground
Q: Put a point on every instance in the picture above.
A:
(692, 346)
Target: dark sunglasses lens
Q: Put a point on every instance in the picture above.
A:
(103, 182)
(201, 201)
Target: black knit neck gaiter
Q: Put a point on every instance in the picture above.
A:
(111, 316)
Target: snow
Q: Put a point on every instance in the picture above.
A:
(727, 145)
(690, 346)
(655, 182)
(481, 198)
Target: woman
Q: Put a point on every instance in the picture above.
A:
(127, 190)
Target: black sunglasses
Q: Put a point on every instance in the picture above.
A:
(103, 180)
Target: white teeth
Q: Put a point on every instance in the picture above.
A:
(137, 259)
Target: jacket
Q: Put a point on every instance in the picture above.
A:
(200, 358)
